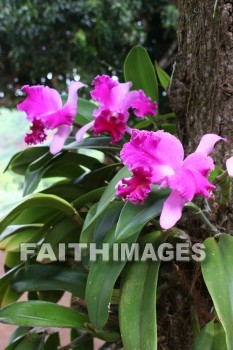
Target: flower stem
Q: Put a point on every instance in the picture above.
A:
(203, 217)
(221, 177)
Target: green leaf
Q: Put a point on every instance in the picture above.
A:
(41, 314)
(169, 127)
(50, 277)
(139, 69)
(167, 116)
(217, 270)
(138, 302)
(108, 195)
(211, 337)
(66, 164)
(163, 76)
(134, 217)
(101, 281)
(85, 111)
(36, 201)
(16, 337)
(101, 143)
(16, 229)
(12, 243)
(31, 342)
(143, 124)
(20, 161)
(4, 285)
(53, 342)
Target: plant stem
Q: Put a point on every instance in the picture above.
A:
(221, 177)
(203, 217)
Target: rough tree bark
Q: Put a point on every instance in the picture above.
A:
(201, 92)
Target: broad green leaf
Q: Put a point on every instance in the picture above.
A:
(12, 259)
(66, 164)
(143, 124)
(16, 337)
(50, 277)
(211, 337)
(134, 217)
(108, 196)
(101, 281)
(204, 340)
(169, 127)
(20, 161)
(217, 270)
(31, 342)
(163, 76)
(53, 342)
(139, 69)
(12, 243)
(58, 230)
(85, 111)
(16, 229)
(41, 314)
(167, 116)
(36, 201)
(66, 190)
(90, 197)
(5, 282)
(101, 143)
(99, 177)
(138, 302)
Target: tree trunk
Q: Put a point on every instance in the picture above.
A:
(201, 92)
(202, 86)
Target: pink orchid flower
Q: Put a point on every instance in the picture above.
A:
(229, 164)
(44, 110)
(158, 158)
(115, 100)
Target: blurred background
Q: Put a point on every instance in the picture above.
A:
(54, 42)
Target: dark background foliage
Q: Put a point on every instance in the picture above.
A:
(50, 42)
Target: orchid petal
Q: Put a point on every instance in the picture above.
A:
(117, 97)
(160, 172)
(229, 164)
(67, 113)
(103, 85)
(199, 161)
(40, 101)
(141, 104)
(136, 188)
(114, 125)
(172, 210)
(148, 149)
(71, 105)
(208, 142)
(82, 131)
(60, 138)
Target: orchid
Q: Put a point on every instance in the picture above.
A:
(115, 100)
(229, 164)
(43, 106)
(158, 158)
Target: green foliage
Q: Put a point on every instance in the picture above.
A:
(52, 41)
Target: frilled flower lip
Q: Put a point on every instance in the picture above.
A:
(43, 108)
(115, 99)
(159, 159)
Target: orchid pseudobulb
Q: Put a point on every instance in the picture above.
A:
(43, 106)
(158, 158)
(115, 99)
